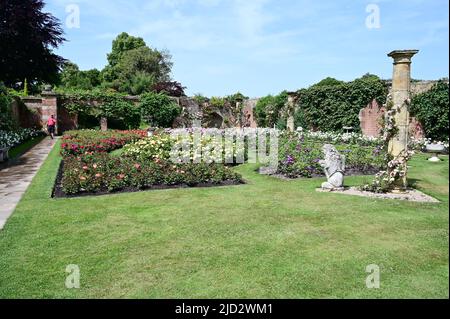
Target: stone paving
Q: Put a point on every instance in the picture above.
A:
(17, 175)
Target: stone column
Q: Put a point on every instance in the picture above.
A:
(290, 111)
(401, 95)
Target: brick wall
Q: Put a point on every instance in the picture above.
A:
(372, 115)
(370, 119)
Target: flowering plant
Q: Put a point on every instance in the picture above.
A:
(14, 138)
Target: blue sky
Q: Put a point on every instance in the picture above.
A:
(261, 47)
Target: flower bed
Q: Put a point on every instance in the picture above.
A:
(101, 173)
(88, 168)
(13, 138)
(79, 142)
(299, 154)
(160, 145)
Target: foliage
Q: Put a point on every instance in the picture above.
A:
(82, 141)
(158, 110)
(332, 107)
(100, 103)
(170, 88)
(134, 68)
(27, 37)
(200, 99)
(218, 102)
(6, 120)
(268, 109)
(72, 78)
(431, 109)
(328, 82)
(121, 45)
(18, 136)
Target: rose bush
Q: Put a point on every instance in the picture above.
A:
(99, 172)
(300, 153)
(79, 142)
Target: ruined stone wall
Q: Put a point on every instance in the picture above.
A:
(372, 115)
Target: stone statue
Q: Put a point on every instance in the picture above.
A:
(334, 168)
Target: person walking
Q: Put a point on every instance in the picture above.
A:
(51, 125)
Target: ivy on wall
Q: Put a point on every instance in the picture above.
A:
(431, 108)
(99, 103)
(328, 105)
(268, 113)
(334, 105)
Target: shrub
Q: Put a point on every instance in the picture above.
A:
(267, 110)
(16, 137)
(6, 121)
(103, 173)
(158, 110)
(151, 148)
(431, 109)
(82, 141)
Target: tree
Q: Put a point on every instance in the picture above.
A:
(123, 43)
(139, 70)
(72, 78)
(27, 37)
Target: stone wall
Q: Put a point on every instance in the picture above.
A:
(35, 111)
(248, 119)
(370, 119)
(372, 116)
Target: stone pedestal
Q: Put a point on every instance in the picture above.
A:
(292, 96)
(401, 95)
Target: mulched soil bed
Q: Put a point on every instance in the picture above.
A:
(59, 193)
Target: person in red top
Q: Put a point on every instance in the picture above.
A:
(51, 124)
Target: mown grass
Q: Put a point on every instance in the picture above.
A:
(269, 238)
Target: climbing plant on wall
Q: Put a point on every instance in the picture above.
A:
(100, 103)
(268, 109)
(431, 108)
(336, 105)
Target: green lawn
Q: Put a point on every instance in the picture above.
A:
(267, 239)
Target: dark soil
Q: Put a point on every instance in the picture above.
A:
(59, 193)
